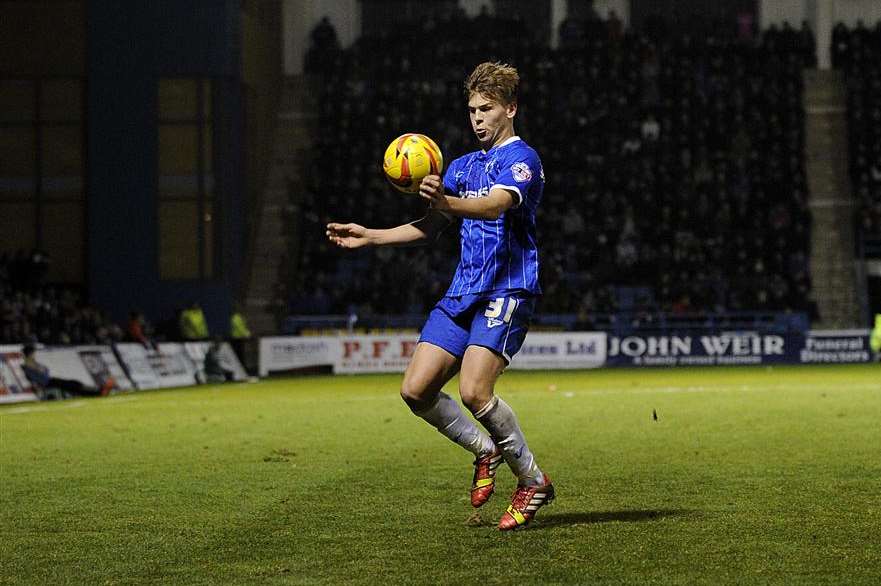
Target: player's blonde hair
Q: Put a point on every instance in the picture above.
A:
(494, 80)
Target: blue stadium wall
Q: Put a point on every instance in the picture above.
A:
(131, 45)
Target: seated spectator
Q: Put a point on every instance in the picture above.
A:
(216, 370)
(47, 386)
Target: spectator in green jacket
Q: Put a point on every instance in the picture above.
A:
(192, 323)
(239, 332)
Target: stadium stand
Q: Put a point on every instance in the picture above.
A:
(32, 310)
(857, 52)
(675, 172)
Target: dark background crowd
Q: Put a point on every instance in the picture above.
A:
(858, 53)
(33, 310)
(674, 165)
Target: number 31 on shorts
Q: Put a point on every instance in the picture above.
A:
(494, 310)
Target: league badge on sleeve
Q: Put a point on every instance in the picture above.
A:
(521, 172)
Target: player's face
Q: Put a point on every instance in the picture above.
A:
(491, 122)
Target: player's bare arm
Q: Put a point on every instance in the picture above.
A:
(422, 231)
(480, 208)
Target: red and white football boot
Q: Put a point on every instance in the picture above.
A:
(484, 478)
(525, 502)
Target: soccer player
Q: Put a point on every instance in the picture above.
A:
(483, 318)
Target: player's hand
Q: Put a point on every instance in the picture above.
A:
(347, 235)
(432, 189)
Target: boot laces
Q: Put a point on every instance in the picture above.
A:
(521, 497)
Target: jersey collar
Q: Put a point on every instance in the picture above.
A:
(505, 142)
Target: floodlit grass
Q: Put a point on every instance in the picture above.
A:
(747, 476)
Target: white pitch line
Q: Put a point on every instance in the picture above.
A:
(38, 408)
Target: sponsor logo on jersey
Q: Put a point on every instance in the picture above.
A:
(521, 171)
(482, 192)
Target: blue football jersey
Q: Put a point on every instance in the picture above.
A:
(502, 254)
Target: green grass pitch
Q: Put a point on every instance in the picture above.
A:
(748, 475)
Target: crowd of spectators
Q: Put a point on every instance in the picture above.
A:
(674, 166)
(857, 51)
(31, 310)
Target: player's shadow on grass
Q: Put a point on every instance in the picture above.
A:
(549, 520)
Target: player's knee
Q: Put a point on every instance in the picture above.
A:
(414, 396)
(474, 397)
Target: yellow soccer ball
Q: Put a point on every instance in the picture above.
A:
(409, 158)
